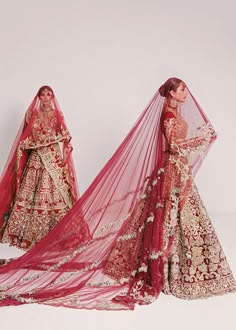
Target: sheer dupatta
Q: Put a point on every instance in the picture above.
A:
(72, 266)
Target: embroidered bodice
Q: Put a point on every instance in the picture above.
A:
(175, 127)
(45, 126)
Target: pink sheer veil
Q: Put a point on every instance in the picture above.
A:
(67, 267)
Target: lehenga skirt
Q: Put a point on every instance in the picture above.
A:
(41, 201)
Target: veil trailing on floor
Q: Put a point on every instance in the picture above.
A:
(71, 266)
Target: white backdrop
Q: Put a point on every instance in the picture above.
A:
(105, 59)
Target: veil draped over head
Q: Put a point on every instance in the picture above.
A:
(12, 174)
(71, 266)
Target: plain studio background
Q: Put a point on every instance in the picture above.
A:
(105, 59)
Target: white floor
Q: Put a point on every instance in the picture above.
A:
(166, 313)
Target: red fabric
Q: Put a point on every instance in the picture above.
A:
(18, 157)
(72, 266)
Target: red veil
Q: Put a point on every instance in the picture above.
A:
(12, 174)
(70, 266)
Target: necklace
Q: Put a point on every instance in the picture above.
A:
(170, 106)
(45, 108)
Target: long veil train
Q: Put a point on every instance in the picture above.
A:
(70, 266)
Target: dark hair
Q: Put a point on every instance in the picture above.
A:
(41, 89)
(170, 85)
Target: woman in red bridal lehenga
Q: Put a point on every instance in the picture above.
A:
(139, 229)
(38, 185)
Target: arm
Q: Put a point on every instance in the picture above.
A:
(30, 143)
(182, 146)
(208, 134)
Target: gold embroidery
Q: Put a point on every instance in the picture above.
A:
(43, 197)
(196, 266)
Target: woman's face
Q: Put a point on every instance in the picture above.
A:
(180, 94)
(46, 97)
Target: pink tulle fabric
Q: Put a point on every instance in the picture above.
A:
(70, 267)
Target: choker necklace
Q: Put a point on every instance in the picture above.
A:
(46, 109)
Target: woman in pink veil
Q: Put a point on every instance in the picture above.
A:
(38, 185)
(139, 229)
(177, 250)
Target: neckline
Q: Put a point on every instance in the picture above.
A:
(169, 109)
